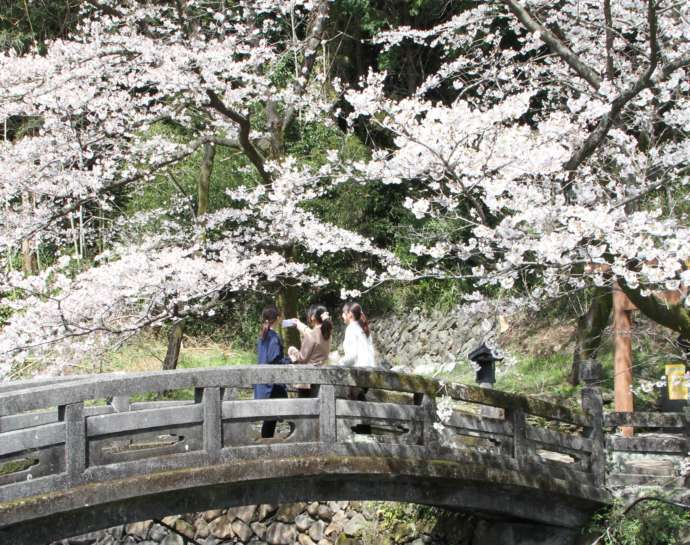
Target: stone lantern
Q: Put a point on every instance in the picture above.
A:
(486, 359)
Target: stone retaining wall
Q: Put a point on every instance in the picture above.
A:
(317, 523)
(418, 339)
(331, 523)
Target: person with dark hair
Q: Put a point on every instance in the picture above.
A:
(358, 347)
(316, 342)
(269, 350)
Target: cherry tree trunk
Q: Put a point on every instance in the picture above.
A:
(174, 346)
(590, 328)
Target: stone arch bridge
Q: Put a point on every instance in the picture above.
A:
(83, 453)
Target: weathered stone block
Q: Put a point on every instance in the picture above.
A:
(183, 527)
(202, 529)
(173, 539)
(304, 539)
(222, 528)
(139, 529)
(265, 510)
(157, 533)
(259, 528)
(288, 512)
(355, 525)
(244, 513)
(324, 512)
(213, 514)
(317, 530)
(281, 534)
(303, 522)
(242, 530)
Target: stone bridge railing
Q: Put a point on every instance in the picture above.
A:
(66, 431)
(67, 434)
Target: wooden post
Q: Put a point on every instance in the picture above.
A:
(622, 335)
(327, 416)
(593, 405)
(75, 439)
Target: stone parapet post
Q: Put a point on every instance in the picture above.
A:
(592, 404)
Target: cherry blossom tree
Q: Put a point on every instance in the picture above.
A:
(208, 70)
(547, 146)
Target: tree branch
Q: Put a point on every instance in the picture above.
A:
(311, 45)
(245, 128)
(609, 39)
(108, 10)
(673, 316)
(597, 136)
(555, 44)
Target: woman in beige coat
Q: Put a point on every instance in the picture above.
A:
(316, 342)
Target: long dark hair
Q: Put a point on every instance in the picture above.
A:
(268, 316)
(358, 315)
(316, 312)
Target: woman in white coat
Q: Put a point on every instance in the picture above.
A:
(357, 345)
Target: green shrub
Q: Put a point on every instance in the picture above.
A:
(649, 522)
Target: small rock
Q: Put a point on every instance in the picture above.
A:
(241, 530)
(334, 528)
(244, 513)
(324, 512)
(202, 529)
(213, 514)
(119, 531)
(288, 512)
(325, 542)
(355, 525)
(316, 532)
(313, 508)
(265, 510)
(221, 528)
(303, 522)
(184, 528)
(106, 540)
(157, 533)
(259, 528)
(170, 521)
(139, 529)
(281, 534)
(305, 540)
(173, 539)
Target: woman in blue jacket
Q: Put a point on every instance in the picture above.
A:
(270, 352)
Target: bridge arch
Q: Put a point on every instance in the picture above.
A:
(85, 479)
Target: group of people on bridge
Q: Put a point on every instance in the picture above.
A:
(315, 349)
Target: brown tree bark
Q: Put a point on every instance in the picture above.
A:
(174, 346)
(590, 327)
(287, 302)
(29, 257)
(205, 179)
(172, 354)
